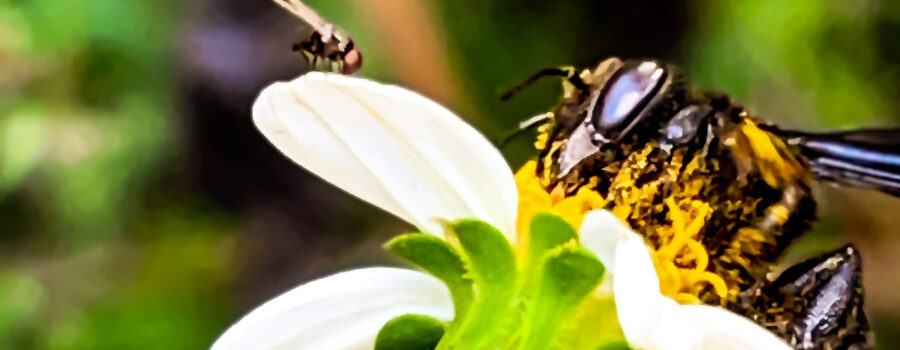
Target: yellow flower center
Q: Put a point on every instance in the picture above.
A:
(681, 260)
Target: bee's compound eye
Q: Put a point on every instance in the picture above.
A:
(614, 109)
(683, 126)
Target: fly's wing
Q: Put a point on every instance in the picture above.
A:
(868, 158)
(305, 13)
(391, 147)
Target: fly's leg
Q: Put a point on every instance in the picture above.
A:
(314, 60)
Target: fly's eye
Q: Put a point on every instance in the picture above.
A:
(622, 100)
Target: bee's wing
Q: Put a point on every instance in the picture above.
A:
(305, 13)
(391, 147)
(868, 158)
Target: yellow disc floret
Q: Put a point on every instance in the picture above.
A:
(533, 198)
(682, 262)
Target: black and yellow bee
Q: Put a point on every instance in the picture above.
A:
(717, 192)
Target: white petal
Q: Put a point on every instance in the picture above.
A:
(725, 330)
(391, 147)
(342, 311)
(600, 233)
(674, 329)
(640, 305)
(648, 319)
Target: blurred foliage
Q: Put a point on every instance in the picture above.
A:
(103, 246)
(87, 109)
(85, 123)
(820, 62)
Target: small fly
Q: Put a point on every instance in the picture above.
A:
(325, 47)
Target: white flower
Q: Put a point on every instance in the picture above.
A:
(415, 159)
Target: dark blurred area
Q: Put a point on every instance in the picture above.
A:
(140, 208)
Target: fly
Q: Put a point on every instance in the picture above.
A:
(325, 46)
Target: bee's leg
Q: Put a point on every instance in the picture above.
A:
(754, 248)
(818, 303)
(527, 124)
(777, 215)
(567, 72)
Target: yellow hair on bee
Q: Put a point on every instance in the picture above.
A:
(764, 153)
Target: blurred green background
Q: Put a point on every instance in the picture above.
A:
(139, 209)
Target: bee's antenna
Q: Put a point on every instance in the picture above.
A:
(568, 73)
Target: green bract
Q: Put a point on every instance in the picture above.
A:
(441, 260)
(412, 332)
(539, 302)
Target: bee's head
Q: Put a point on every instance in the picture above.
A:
(625, 101)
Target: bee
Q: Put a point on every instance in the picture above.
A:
(325, 46)
(716, 191)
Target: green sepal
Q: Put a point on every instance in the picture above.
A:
(410, 332)
(441, 260)
(568, 275)
(544, 305)
(615, 345)
(547, 231)
(492, 266)
(492, 259)
(594, 326)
